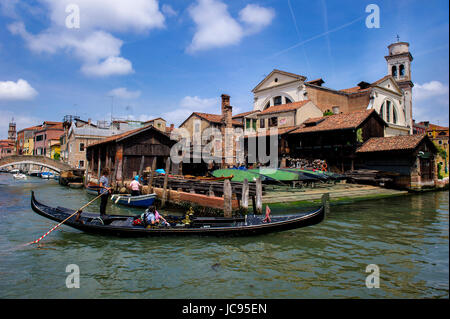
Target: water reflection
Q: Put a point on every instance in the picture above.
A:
(406, 236)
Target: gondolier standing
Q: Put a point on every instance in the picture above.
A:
(105, 191)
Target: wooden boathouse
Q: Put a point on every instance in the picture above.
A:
(129, 153)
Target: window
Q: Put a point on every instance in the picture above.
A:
(382, 111)
(39, 138)
(394, 70)
(277, 100)
(80, 164)
(254, 125)
(267, 106)
(197, 127)
(394, 115)
(288, 101)
(262, 123)
(247, 124)
(81, 147)
(388, 111)
(273, 121)
(402, 70)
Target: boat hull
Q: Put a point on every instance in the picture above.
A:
(122, 225)
(134, 201)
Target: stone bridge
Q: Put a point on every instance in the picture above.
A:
(43, 161)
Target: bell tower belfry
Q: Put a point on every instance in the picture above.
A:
(399, 66)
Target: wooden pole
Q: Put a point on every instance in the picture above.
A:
(99, 166)
(227, 198)
(166, 179)
(152, 174)
(245, 195)
(326, 202)
(142, 165)
(254, 204)
(258, 196)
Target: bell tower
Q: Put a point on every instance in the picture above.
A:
(399, 66)
(12, 131)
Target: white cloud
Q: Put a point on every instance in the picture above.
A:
(20, 90)
(93, 43)
(197, 103)
(114, 16)
(428, 90)
(124, 93)
(216, 28)
(111, 66)
(431, 102)
(256, 17)
(168, 10)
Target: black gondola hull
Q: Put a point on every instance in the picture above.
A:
(254, 226)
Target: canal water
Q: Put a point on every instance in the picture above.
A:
(406, 237)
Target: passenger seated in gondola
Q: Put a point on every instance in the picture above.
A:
(135, 187)
(151, 217)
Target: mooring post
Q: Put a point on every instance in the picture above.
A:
(245, 195)
(227, 198)
(152, 174)
(326, 202)
(258, 196)
(166, 178)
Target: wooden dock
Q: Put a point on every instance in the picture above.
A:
(338, 192)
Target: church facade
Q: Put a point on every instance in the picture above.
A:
(390, 96)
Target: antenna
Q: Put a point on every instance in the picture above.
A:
(398, 38)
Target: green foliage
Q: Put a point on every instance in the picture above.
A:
(327, 113)
(56, 156)
(439, 167)
(359, 137)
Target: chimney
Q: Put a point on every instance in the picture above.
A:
(227, 110)
(225, 103)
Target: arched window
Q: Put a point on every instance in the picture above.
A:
(402, 70)
(394, 70)
(394, 115)
(267, 106)
(288, 101)
(382, 111)
(388, 111)
(277, 100)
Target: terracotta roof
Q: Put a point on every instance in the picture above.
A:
(285, 107)
(32, 128)
(245, 113)
(391, 143)
(318, 81)
(336, 122)
(433, 127)
(355, 89)
(214, 118)
(114, 138)
(267, 132)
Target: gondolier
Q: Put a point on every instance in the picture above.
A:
(105, 190)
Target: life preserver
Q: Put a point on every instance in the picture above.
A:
(324, 167)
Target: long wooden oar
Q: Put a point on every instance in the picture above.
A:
(80, 209)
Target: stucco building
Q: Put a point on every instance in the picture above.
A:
(390, 96)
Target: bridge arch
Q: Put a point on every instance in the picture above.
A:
(42, 161)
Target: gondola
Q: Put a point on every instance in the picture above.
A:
(208, 226)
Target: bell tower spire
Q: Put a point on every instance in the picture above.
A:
(399, 66)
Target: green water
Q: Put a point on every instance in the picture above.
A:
(407, 237)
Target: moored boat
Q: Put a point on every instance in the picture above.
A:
(123, 225)
(20, 176)
(93, 189)
(134, 201)
(76, 185)
(46, 175)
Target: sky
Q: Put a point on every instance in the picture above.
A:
(141, 59)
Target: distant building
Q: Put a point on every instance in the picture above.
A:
(440, 137)
(390, 96)
(42, 137)
(25, 140)
(7, 148)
